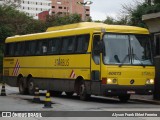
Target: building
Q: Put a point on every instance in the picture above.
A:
(31, 7)
(61, 7)
(153, 22)
(70, 7)
(34, 7)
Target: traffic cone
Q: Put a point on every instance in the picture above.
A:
(47, 102)
(3, 91)
(36, 98)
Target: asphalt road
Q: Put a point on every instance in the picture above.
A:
(16, 102)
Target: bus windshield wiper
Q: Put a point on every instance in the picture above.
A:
(137, 58)
(125, 58)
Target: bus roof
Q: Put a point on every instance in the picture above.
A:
(78, 28)
(110, 28)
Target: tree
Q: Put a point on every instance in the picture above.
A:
(56, 20)
(134, 13)
(14, 22)
(156, 1)
(109, 20)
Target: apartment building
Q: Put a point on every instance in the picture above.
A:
(61, 7)
(70, 7)
(31, 7)
(34, 7)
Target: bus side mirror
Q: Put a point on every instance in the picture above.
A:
(99, 47)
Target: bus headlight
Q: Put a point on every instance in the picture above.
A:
(150, 81)
(111, 81)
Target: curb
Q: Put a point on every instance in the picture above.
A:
(147, 101)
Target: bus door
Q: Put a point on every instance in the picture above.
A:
(95, 65)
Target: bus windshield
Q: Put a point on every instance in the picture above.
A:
(127, 49)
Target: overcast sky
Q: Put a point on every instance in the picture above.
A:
(102, 8)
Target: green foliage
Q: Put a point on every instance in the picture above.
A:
(156, 1)
(153, 8)
(13, 22)
(136, 15)
(109, 20)
(132, 15)
(121, 21)
(56, 20)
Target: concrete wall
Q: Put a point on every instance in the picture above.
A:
(152, 21)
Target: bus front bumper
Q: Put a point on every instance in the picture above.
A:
(110, 90)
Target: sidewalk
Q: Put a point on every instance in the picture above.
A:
(145, 99)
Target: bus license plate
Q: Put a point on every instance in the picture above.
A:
(130, 92)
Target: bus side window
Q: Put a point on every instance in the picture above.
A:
(9, 49)
(53, 46)
(95, 55)
(38, 49)
(82, 42)
(64, 45)
(44, 47)
(71, 45)
(79, 44)
(32, 47)
(68, 45)
(86, 42)
(27, 48)
(21, 48)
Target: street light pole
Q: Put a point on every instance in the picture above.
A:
(84, 9)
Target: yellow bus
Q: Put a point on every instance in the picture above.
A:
(85, 58)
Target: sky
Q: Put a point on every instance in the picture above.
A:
(100, 9)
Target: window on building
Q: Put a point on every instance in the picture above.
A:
(60, 7)
(59, 13)
(87, 9)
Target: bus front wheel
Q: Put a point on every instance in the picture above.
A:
(124, 98)
(83, 93)
(69, 94)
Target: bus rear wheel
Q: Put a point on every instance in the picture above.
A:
(22, 87)
(124, 98)
(83, 93)
(31, 86)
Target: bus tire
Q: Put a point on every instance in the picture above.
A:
(69, 94)
(31, 86)
(55, 93)
(22, 86)
(83, 93)
(124, 98)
